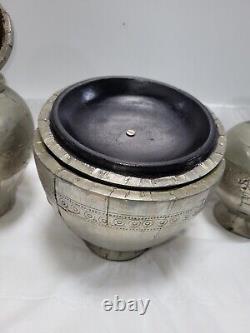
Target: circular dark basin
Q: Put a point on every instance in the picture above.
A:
(133, 126)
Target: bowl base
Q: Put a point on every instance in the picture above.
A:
(233, 221)
(114, 255)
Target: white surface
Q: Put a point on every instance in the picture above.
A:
(199, 45)
(51, 282)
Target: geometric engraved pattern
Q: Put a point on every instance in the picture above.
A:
(123, 221)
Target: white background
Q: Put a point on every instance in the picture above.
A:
(199, 281)
(201, 46)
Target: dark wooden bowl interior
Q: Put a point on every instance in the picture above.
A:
(133, 126)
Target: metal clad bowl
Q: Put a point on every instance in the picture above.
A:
(118, 215)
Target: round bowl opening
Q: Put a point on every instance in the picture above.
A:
(133, 126)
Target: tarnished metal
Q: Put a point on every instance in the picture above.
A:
(233, 212)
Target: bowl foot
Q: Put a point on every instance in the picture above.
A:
(233, 221)
(114, 255)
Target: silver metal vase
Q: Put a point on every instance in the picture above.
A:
(16, 126)
(233, 210)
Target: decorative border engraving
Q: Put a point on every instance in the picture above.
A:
(123, 221)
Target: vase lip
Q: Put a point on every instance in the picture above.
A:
(133, 126)
(7, 38)
(114, 178)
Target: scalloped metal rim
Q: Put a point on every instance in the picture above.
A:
(109, 190)
(116, 179)
(9, 38)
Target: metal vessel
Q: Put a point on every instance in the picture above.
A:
(16, 126)
(127, 162)
(233, 211)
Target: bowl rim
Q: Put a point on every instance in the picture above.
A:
(116, 179)
(146, 169)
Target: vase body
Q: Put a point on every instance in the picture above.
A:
(16, 127)
(16, 133)
(233, 211)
